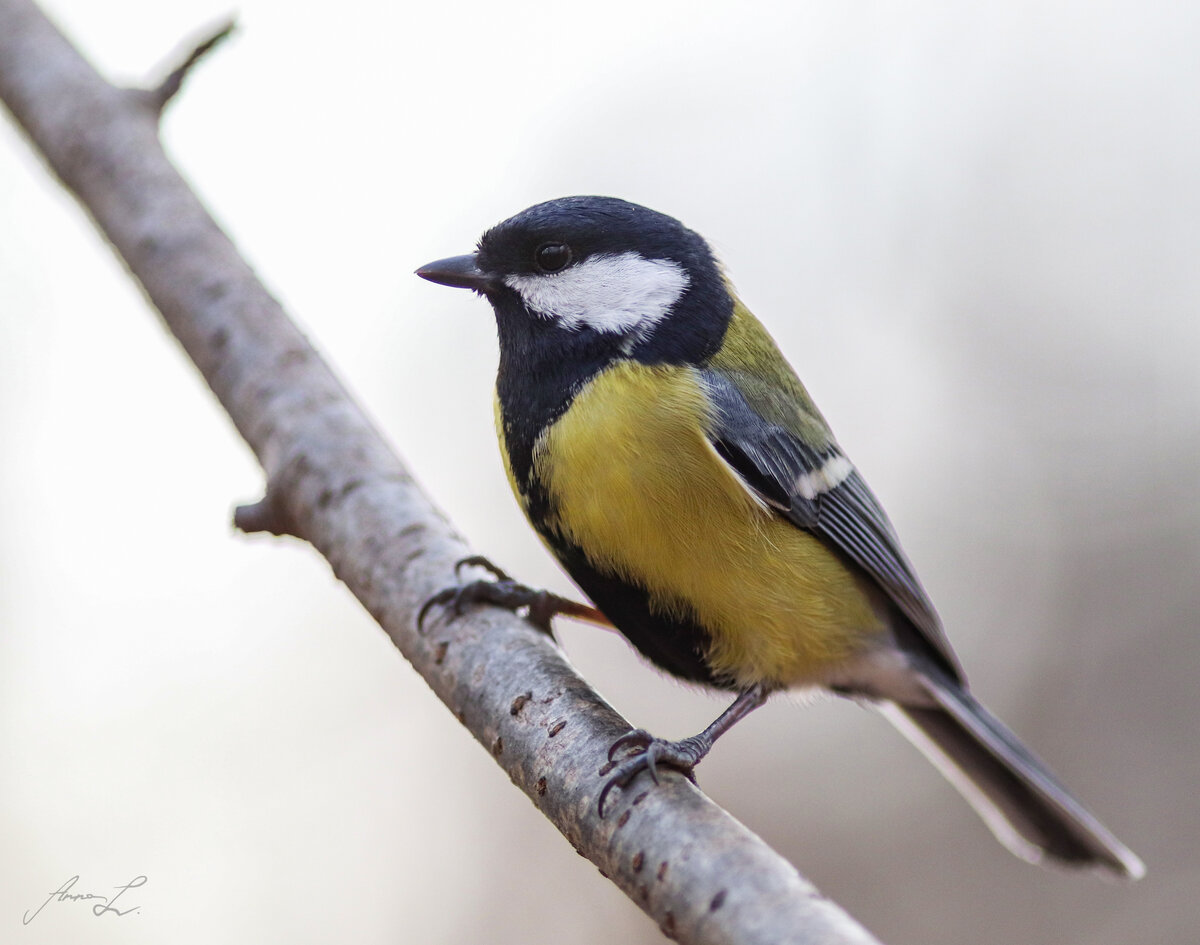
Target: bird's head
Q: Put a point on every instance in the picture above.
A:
(598, 273)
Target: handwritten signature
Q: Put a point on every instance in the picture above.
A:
(103, 905)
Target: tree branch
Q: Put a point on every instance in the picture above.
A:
(173, 82)
(331, 479)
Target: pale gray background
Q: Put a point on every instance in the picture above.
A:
(973, 227)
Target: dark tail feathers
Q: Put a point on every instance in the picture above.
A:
(1025, 806)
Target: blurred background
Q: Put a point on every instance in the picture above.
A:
(974, 228)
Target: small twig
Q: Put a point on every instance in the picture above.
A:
(162, 93)
(265, 515)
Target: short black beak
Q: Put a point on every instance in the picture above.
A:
(461, 272)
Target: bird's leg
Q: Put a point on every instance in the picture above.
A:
(512, 595)
(682, 755)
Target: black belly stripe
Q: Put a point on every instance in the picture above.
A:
(674, 645)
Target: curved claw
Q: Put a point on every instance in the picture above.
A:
(543, 610)
(682, 756)
(608, 786)
(541, 606)
(480, 561)
(462, 594)
(443, 596)
(627, 771)
(504, 592)
(638, 738)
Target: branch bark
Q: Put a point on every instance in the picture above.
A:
(333, 481)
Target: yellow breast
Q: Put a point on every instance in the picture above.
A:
(635, 483)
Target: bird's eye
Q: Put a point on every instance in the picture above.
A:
(552, 257)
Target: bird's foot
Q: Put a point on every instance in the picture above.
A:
(504, 592)
(650, 752)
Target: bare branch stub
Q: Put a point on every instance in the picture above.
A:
(265, 515)
(162, 93)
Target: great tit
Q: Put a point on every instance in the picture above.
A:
(672, 461)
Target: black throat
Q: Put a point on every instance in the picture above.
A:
(543, 365)
(542, 368)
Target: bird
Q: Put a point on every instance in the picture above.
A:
(670, 458)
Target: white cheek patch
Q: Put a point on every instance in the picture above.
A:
(621, 294)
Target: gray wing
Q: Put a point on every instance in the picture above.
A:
(817, 488)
